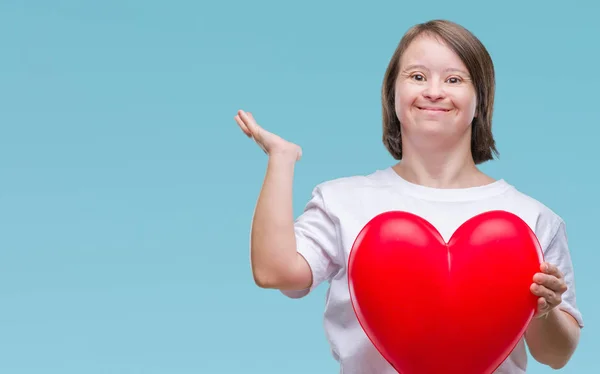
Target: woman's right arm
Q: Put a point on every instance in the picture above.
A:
(275, 260)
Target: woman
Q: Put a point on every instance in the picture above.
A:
(437, 98)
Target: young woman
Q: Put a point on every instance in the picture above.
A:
(438, 95)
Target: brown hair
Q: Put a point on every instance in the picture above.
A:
(481, 68)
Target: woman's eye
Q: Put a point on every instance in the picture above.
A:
(454, 80)
(418, 77)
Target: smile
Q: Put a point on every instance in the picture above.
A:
(432, 109)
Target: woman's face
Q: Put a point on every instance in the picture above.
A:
(435, 99)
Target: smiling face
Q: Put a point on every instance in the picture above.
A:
(435, 99)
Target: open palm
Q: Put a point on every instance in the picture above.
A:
(270, 143)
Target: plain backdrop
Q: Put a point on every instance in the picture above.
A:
(127, 190)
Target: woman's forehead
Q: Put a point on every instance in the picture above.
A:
(430, 53)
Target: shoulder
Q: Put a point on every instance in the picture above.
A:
(349, 193)
(547, 222)
(343, 186)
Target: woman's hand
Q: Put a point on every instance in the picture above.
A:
(269, 142)
(549, 285)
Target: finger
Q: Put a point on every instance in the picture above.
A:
(250, 123)
(240, 119)
(543, 306)
(256, 131)
(253, 122)
(551, 269)
(551, 282)
(541, 291)
(243, 126)
(550, 296)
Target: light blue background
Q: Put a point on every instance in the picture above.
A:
(127, 190)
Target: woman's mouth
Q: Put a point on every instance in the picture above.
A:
(433, 109)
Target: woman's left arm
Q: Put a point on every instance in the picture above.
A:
(553, 334)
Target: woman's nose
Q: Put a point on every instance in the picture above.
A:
(434, 92)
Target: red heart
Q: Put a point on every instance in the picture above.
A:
(432, 307)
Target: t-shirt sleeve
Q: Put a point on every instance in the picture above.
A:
(557, 253)
(317, 241)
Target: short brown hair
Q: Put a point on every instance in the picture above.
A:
(481, 68)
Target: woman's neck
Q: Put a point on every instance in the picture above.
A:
(441, 170)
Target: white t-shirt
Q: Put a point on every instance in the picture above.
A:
(340, 208)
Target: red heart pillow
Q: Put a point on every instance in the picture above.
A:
(432, 307)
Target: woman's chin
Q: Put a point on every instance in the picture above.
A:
(433, 127)
(433, 134)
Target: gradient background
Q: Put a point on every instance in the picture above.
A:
(127, 189)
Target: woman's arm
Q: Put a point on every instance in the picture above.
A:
(552, 338)
(553, 334)
(274, 258)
